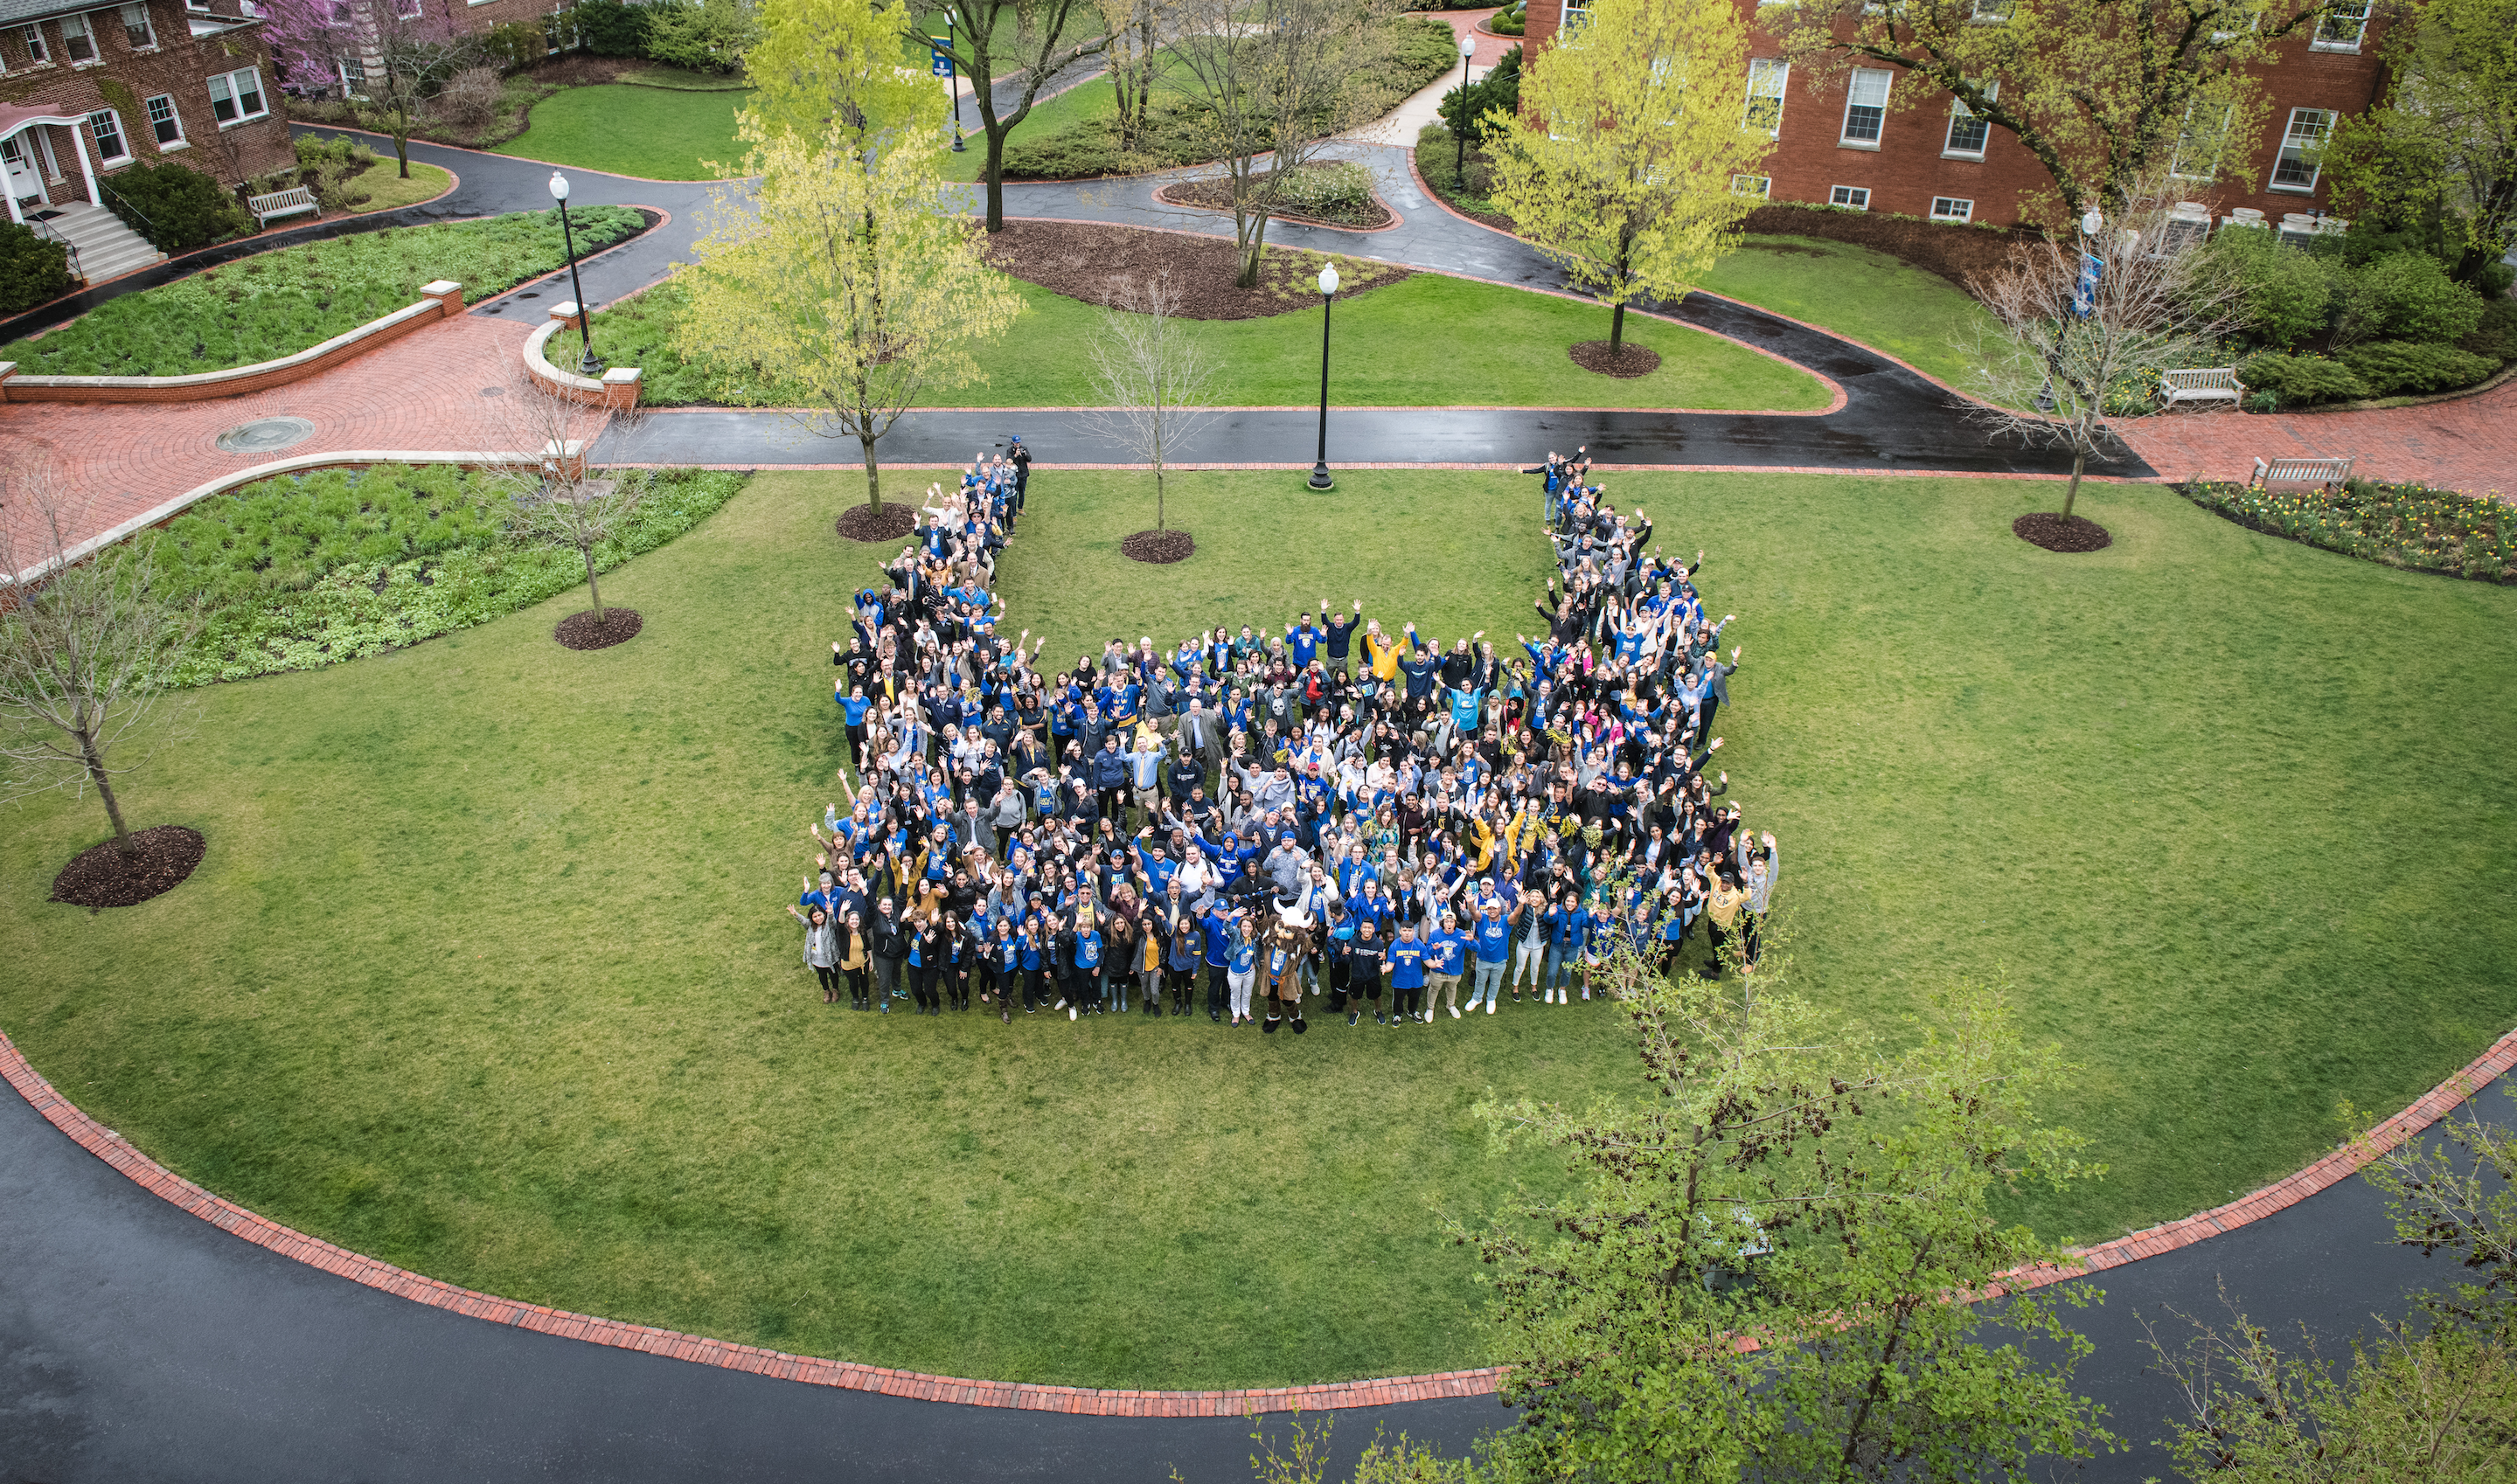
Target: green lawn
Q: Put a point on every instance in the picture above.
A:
(1883, 302)
(486, 972)
(387, 189)
(658, 134)
(1426, 341)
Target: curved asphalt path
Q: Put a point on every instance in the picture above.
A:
(1892, 419)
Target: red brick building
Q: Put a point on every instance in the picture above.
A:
(89, 90)
(1840, 140)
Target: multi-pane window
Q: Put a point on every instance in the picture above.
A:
(1857, 197)
(1990, 11)
(77, 40)
(1759, 186)
(135, 30)
(1866, 107)
(2197, 144)
(37, 53)
(105, 127)
(1967, 132)
(2345, 23)
(1765, 78)
(354, 78)
(1575, 16)
(2301, 143)
(235, 97)
(1948, 208)
(162, 121)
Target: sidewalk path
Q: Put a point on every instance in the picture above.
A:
(2469, 444)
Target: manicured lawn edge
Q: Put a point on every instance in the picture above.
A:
(2331, 520)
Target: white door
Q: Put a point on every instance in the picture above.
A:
(24, 183)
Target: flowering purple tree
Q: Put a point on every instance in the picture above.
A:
(390, 53)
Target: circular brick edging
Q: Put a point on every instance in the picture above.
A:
(230, 1217)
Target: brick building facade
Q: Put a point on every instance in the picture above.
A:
(1893, 148)
(89, 90)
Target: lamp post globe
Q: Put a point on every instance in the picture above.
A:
(1460, 136)
(1328, 299)
(586, 364)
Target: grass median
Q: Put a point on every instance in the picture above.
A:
(487, 972)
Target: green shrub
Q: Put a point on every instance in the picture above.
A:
(2408, 296)
(1509, 22)
(2389, 366)
(2302, 380)
(34, 269)
(1333, 188)
(298, 573)
(514, 45)
(1466, 110)
(2495, 337)
(710, 36)
(610, 29)
(175, 207)
(2284, 295)
(1420, 50)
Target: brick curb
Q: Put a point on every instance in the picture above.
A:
(228, 1216)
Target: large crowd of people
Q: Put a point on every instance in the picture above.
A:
(1327, 807)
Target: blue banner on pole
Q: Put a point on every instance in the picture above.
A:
(2084, 294)
(939, 60)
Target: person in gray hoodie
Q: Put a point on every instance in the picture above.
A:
(1758, 869)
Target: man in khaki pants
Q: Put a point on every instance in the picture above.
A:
(1446, 954)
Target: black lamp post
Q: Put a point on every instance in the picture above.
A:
(587, 364)
(1460, 136)
(953, 83)
(1328, 299)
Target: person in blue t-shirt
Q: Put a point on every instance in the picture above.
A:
(1217, 924)
(1446, 951)
(1407, 958)
(1568, 929)
(1241, 971)
(1088, 965)
(1490, 935)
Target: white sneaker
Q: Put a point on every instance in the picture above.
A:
(1586, 991)
(1060, 1005)
(1455, 1012)
(1490, 1007)
(1070, 1012)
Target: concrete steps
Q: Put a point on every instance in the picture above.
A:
(106, 249)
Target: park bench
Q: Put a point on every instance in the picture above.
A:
(283, 203)
(2217, 383)
(2321, 473)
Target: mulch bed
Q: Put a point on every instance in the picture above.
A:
(1630, 361)
(1214, 193)
(579, 631)
(1093, 262)
(1162, 547)
(2054, 533)
(161, 860)
(864, 522)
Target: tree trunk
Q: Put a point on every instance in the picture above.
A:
(1616, 333)
(1256, 249)
(104, 788)
(593, 588)
(1158, 495)
(996, 175)
(873, 476)
(2072, 492)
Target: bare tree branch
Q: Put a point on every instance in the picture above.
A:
(1153, 375)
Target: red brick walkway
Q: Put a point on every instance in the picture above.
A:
(420, 392)
(2469, 444)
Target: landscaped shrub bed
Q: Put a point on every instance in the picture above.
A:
(276, 304)
(302, 572)
(2407, 525)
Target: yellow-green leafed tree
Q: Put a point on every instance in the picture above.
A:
(854, 276)
(826, 63)
(1620, 164)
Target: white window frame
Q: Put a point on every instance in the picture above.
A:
(1859, 115)
(39, 51)
(71, 39)
(2342, 26)
(2177, 163)
(2307, 129)
(353, 86)
(196, 5)
(1990, 12)
(173, 117)
(235, 98)
(1960, 113)
(121, 136)
(1761, 187)
(1850, 197)
(1953, 208)
(1768, 76)
(147, 40)
(1570, 18)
